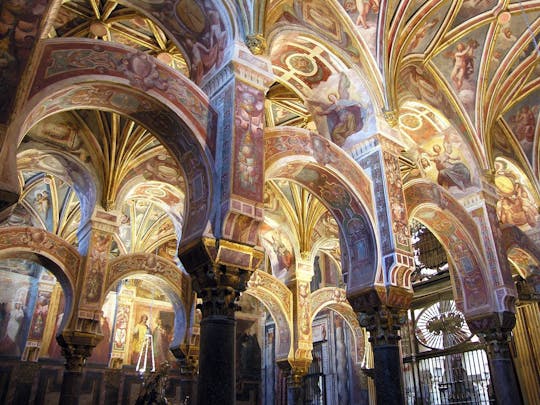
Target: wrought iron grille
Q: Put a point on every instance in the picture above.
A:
(454, 378)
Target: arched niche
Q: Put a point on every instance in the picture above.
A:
(332, 176)
(160, 271)
(277, 299)
(49, 251)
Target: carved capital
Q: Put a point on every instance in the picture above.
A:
(77, 347)
(295, 370)
(391, 117)
(383, 325)
(495, 330)
(256, 44)
(219, 287)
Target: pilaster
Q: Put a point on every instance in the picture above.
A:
(302, 333)
(379, 157)
(237, 93)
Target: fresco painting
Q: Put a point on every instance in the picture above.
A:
(155, 321)
(522, 119)
(443, 158)
(516, 204)
(13, 303)
(342, 109)
(470, 8)
(460, 63)
(280, 252)
(99, 248)
(248, 142)
(364, 15)
(19, 28)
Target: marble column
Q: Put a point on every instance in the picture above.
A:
(383, 326)
(218, 286)
(496, 331)
(295, 372)
(75, 355)
(294, 389)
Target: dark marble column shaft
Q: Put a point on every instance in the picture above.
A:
(71, 387)
(387, 369)
(383, 326)
(217, 377)
(75, 356)
(503, 374)
(294, 390)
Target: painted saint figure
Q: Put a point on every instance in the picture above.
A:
(138, 337)
(344, 116)
(452, 172)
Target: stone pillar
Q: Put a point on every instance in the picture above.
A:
(294, 389)
(295, 372)
(496, 331)
(383, 326)
(188, 360)
(76, 348)
(302, 330)
(217, 358)
(218, 285)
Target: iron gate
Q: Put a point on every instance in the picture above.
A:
(456, 377)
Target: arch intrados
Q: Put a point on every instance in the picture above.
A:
(48, 251)
(354, 328)
(464, 277)
(516, 252)
(190, 155)
(283, 329)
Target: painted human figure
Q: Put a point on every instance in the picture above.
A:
(463, 63)
(139, 335)
(525, 124)
(452, 172)
(343, 115)
(363, 7)
(249, 125)
(161, 337)
(517, 208)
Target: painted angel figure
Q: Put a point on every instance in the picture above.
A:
(451, 170)
(463, 56)
(344, 116)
